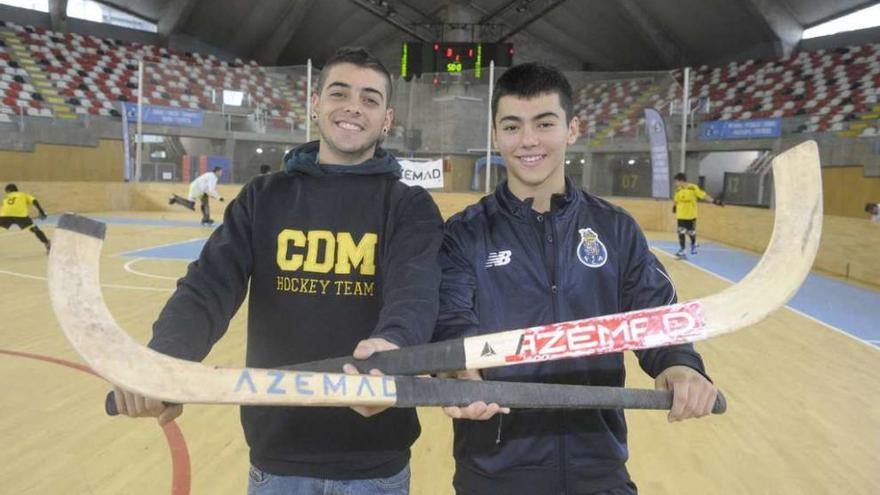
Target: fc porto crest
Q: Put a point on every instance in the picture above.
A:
(591, 252)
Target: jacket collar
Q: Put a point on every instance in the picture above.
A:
(509, 203)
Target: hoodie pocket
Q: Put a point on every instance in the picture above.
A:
(523, 438)
(478, 437)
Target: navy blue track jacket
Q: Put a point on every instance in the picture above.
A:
(504, 267)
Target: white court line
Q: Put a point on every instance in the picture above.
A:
(827, 325)
(109, 286)
(129, 269)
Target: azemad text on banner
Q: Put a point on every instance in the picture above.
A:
(426, 174)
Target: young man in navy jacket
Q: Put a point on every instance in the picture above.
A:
(333, 253)
(538, 251)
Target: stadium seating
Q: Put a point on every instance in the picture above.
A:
(820, 91)
(824, 90)
(48, 74)
(93, 75)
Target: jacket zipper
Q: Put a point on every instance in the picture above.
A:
(551, 242)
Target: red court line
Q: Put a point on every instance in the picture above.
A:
(180, 462)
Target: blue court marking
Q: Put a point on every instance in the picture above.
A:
(147, 221)
(846, 307)
(186, 251)
(53, 220)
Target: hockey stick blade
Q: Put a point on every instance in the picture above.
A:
(777, 276)
(76, 297)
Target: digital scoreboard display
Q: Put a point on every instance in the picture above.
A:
(450, 57)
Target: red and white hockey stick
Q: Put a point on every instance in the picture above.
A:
(777, 276)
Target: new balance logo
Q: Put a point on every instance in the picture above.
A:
(487, 351)
(500, 258)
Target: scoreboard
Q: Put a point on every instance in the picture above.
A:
(452, 57)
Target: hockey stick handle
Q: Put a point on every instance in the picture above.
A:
(432, 392)
(422, 392)
(423, 359)
(447, 356)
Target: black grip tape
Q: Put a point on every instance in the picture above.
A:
(413, 391)
(420, 392)
(415, 360)
(82, 225)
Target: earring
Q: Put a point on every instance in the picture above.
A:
(314, 116)
(384, 130)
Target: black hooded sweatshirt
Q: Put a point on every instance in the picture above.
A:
(331, 254)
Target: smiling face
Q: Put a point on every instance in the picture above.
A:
(352, 111)
(532, 134)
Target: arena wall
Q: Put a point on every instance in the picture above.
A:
(848, 247)
(846, 190)
(53, 162)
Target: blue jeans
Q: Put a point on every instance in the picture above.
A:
(262, 483)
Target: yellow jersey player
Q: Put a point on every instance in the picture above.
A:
(685, 209)
(15, 211)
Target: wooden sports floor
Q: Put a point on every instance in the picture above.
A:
(804, 400)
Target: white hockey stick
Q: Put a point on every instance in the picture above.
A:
(79, 306)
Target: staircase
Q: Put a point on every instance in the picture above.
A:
(867, 120)
(38, 77)
(762, 164)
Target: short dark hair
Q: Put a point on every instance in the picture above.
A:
(361, 57)
(264, 169)
(11, 188)
(531, 80)
(217, 168)
(680, 176)
(869, 207)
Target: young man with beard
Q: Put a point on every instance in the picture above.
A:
(336, 255)
(539, 251)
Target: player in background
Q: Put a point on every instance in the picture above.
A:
(205, 185)
(15, 211)
(685, 208)
(873, 209)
